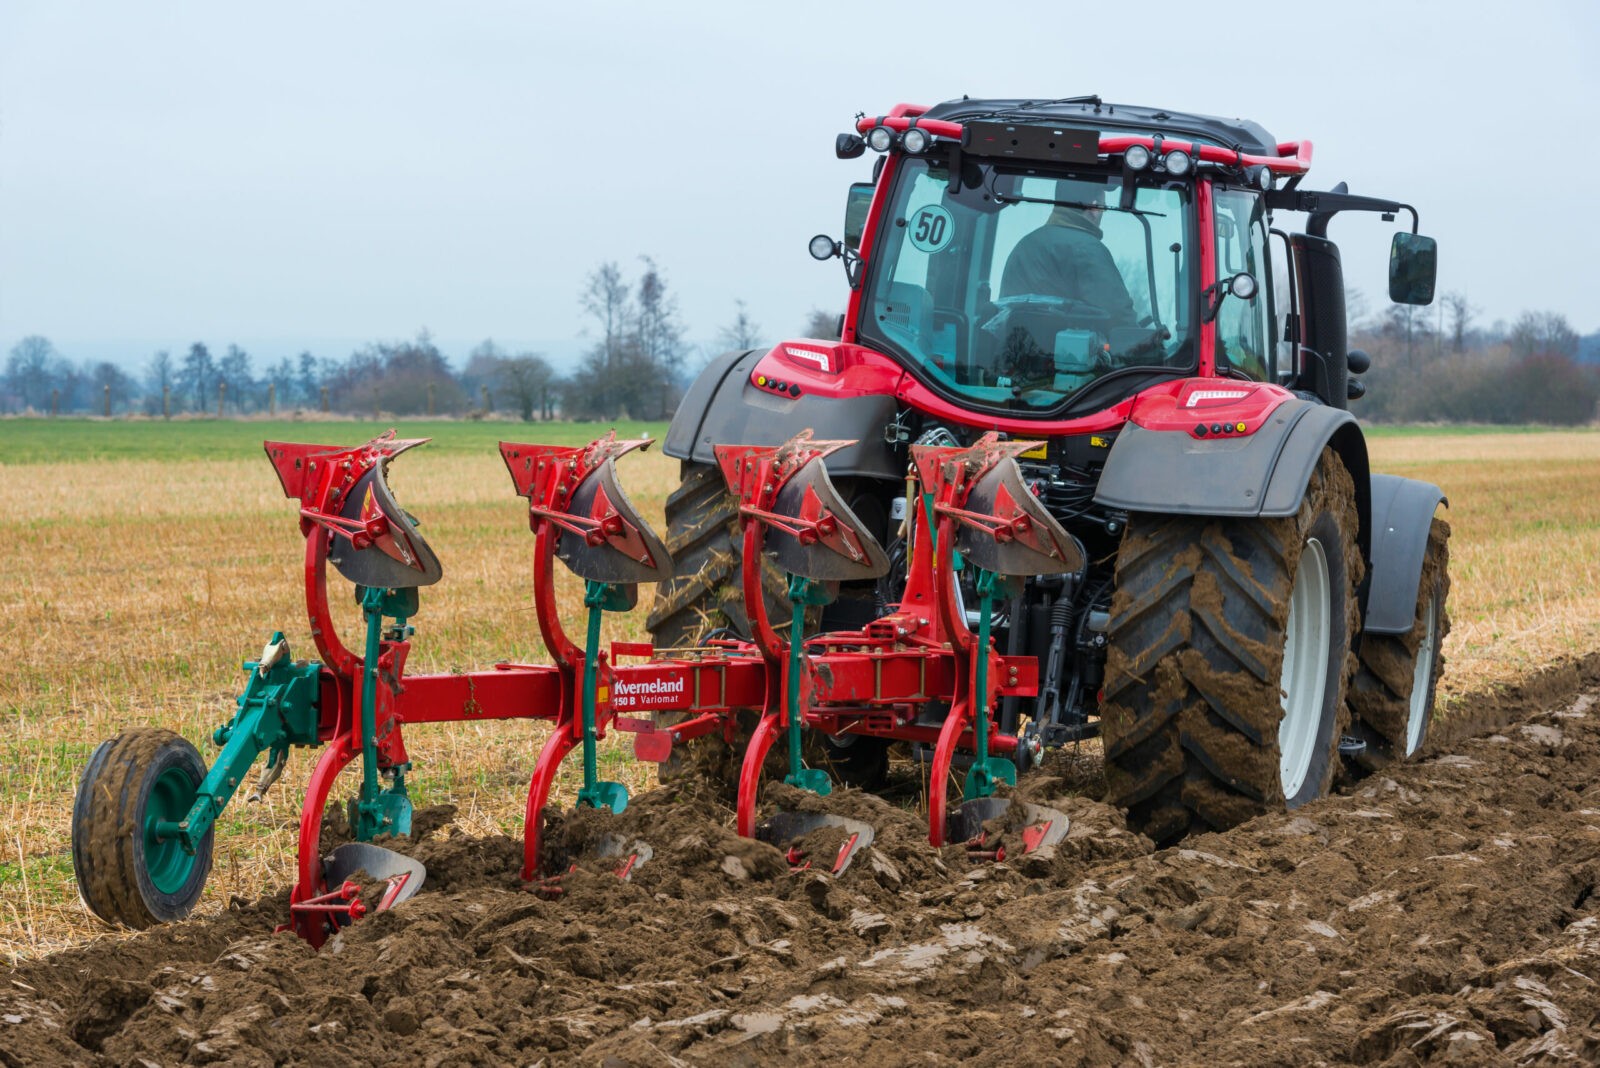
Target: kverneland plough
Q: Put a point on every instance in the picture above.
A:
(146, 807)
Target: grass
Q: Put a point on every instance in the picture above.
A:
(137, 584)
(39, 441)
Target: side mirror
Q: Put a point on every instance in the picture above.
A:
(856, 207)
(1413, 268)
(848, 146)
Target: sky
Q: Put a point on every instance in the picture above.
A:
(294, 176)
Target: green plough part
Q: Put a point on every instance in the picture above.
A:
(277, 709)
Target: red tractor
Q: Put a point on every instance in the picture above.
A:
(1078, 464)
(1253, 603)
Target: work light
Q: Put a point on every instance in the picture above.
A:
(914, 140)
(880, 139)
(1177, 162)
(1137, 158)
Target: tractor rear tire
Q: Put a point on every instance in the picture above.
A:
(705, 594)
(1397, 675)
(125, 873)
(1230, 647)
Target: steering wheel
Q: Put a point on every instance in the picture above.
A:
(1068, 307)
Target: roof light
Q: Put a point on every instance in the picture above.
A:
(914, 140)
(823, 247)
(1137, 158)
(1177, 162)
(1264, 179)
(880, 138)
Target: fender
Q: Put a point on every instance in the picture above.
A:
(1402, 512)
(1259, 473)
(724, 406)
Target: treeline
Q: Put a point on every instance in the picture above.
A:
(637, 367)
(1438, 365)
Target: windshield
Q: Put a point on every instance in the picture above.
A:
(1024, 286)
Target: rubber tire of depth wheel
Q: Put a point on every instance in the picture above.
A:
(1386, 667)
(707, 544)
(127, 781)
(1192, 699)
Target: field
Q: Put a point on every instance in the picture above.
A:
(146, 561)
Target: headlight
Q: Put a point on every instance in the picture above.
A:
(1137, 158)
(1178, 162)
(824, 247)
(880, 139)
(914, 140)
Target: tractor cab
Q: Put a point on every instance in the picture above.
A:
(1044, 261)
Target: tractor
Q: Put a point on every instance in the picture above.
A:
(1080, 463)
(1254, 601)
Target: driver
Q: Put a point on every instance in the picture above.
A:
(1066, 258)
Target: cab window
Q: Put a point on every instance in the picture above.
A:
(1244, 327)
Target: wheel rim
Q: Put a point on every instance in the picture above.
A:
(1305, 668)
(164, 859)
(1422, 678)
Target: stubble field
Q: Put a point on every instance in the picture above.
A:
(145, 562)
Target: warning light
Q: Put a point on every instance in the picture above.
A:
(1240, 428)
(761, 380)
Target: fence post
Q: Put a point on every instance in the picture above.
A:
(377, 408)
(430, 400)
(108, 400)
(272, 398)
(324, 398)
(166, 402)
(55, 403)
(222, 396)
(486, 399)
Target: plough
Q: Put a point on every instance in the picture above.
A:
(146, 807)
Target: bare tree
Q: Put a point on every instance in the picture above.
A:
(821, 324)
(1541, 333)
(742, 333)
(527, 379)
(1461, 314)
(31, 371)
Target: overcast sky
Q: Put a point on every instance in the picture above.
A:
(291, 176)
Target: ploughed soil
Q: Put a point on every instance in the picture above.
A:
(1445, 910)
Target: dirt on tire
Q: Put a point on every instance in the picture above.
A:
(1442, 910)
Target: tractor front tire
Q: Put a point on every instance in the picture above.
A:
(1397, 675)
(126, 874)
(1230, 660)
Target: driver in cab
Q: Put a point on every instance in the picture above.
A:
(1066, 258)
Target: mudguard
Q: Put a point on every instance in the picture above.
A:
(1402, 512)
(723, 407)
(1261, 474)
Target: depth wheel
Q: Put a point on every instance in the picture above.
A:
(126, 874)
(1397, 675)
(1229, 661)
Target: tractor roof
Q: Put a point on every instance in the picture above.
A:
(1240, 135)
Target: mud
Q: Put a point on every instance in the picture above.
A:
(1444, 910)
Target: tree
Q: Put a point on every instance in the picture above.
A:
(1542, 333)
(31, 371)
(106, 374)
(528, 380)
(236, 371)
(821, 325)
(197, 378)
(282, 377)
(742, 333)
(307, 381)
(1460, 314)
(658, 359)
(158, 378)
(1406, 323)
